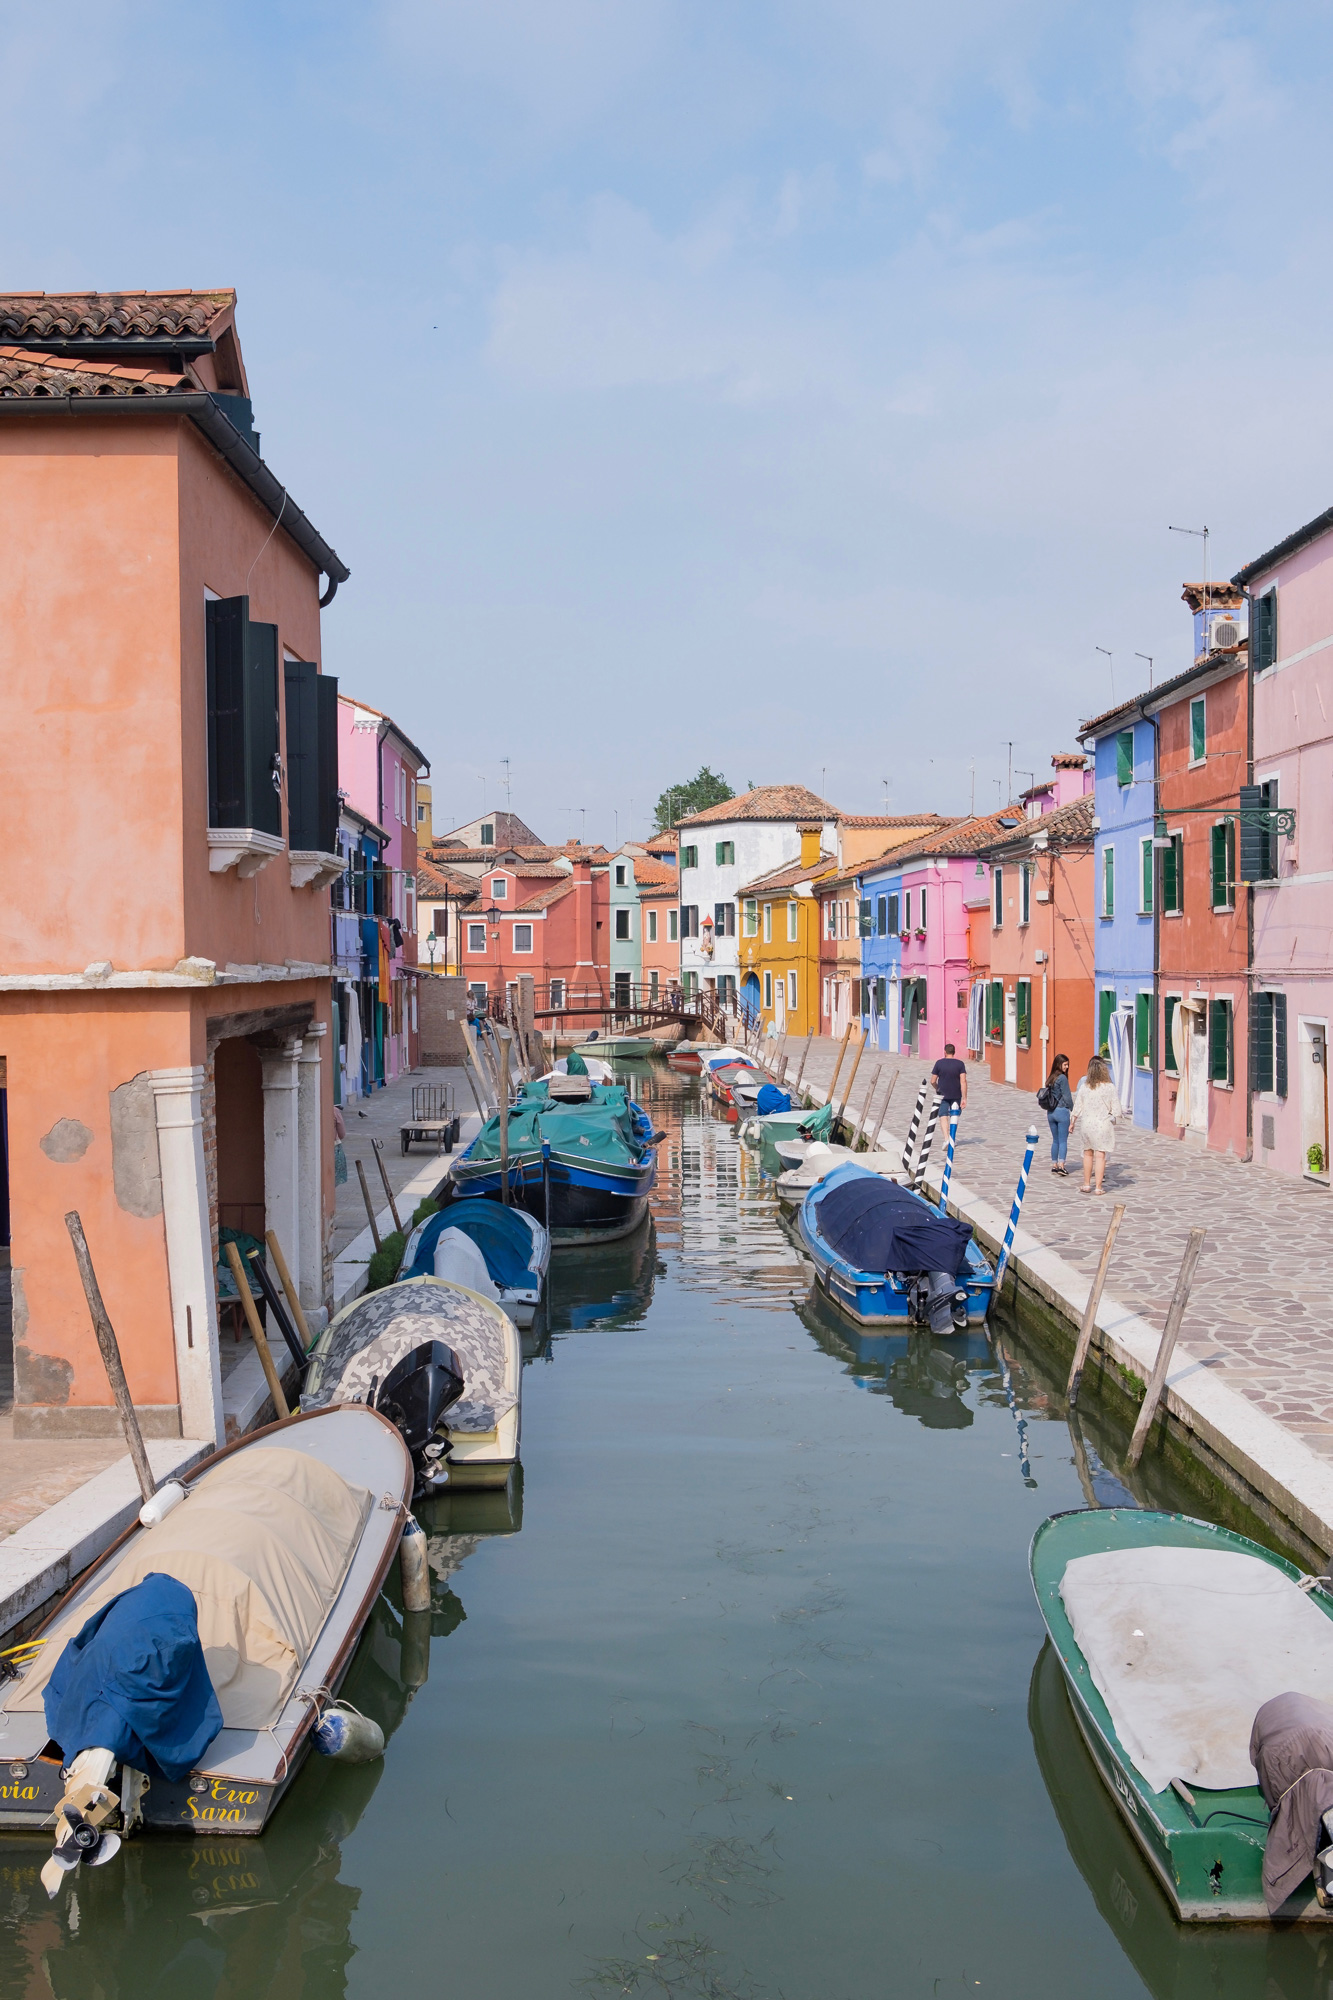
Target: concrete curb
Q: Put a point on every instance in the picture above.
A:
(351, 1268)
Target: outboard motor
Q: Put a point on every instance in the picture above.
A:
(415, 1394)
(945, 1302)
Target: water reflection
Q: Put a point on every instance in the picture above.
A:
(610, 1285)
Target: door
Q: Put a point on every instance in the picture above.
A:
(1199, 1068)
(622, 992)
(841, 1007)
(1011, 1037)
(780, 1004)
(1314, 1095)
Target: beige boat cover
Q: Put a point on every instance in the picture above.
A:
(264, 1541)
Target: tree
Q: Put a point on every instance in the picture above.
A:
(706, 788)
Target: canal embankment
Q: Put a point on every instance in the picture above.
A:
(1249, 1394)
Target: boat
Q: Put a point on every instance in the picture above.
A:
(1214, 1625)
(806, 1162)
(686, 1057)
(581, 1159)
(442, 1362)
(798, 1123)
(883, 1253)
(502, 1252)
(599, 1071)
(624, 1048)
(284, 1540)
(735, 1083)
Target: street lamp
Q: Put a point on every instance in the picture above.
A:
(431, 942)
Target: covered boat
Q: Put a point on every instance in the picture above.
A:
(883, 1253)
(805, 1163)
(798, 1123)
(442, 1362)
(1186, 1649)
(581, 1159)
(501, 1252)
(278, 1550)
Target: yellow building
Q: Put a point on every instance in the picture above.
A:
(779, 940)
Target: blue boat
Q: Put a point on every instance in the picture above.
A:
(884, 1254)
(490, 1248)
(582, 1164)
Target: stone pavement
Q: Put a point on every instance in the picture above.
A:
(380, 1117)
(1259, 1317)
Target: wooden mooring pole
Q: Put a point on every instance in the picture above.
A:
(1084, 1341)
(370, 1206)
(856, 1064)
(874, 1143)
(804, 1053)
(1175, 1312)
(504, 1123)
(377, 1150)
(833, 1081)
(110, 1351)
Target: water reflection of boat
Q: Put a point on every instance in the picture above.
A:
(922, 1376)
(608, 1286)
(1175, 1961)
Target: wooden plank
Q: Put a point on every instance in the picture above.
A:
(257, 1333)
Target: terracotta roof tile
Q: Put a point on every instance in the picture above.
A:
(963, 837)
(111, 315)
(1072, 822)
(545, 897)
(23, 373)
(765, 802)
(897, 819)
(651, 874)
(790, 875)
(432, 880)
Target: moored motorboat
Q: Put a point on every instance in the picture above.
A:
(883, 1253)
(1174, 1636)
(282, 1540)
(442, 1363)
(628, 1048)
(581, 1159)
(801, 1122)
(806, 1162)
(734, 1083)
(500, 1251)
(687, 1057)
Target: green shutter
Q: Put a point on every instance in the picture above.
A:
(1147, 860)
(1025, 1011)
(1198, 730)
(1169, 1006)
(1280, 1044)
(1108, 881)
(1143, 1030)
(1105, 1009)
(893, 916)
(1261, 1042)
(1172, 873)
(996, 1007)
(1124, 757)
(312, 757)
(1219, 866)
(1219, 1041)
(1263, 631)
(865, 916)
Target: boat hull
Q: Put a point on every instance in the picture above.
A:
(878, 1298)
(585, 1206)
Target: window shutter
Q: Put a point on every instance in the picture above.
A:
(1261, 1042)
(1147, 855)
(242, 718)
(302, 717)
(1252, 843)
(881, 916)
(1124, 757)
(1025, 1010)
(1105, 1009)
(1168, 1046)
(893, 913)
(1279, 1001)
(1219, 1041)
(1198, 730)
(997, 1006)
(1219, 866)
(1263, 631)
(1108, 881)
(261, 728)
(865, 916)
(1143, 1030)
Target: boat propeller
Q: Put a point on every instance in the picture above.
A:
(81, 1840)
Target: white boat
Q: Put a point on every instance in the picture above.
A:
(503, 1253)
(806, 1161)
(599, 1071)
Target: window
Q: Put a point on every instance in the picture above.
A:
(620, 874)
(830, 923)
(1169, 1005)
(865, 914)
(907, 910)
(1024, 1013)
(825, 997)
(726, 853)
(791, 991)
(881, 916)
(622, 926)
(922, 925)
(1124, 757)
(1025, 894)
(750, 917)
(1270, 1043)
(793, 922)
(689, 857)
(488, 833)
(477, 995)
(1108, 881)
(1198, 730)
(673, 926)
(441, 925)
(243, 758)
(1224, 864)
(1258, 842)
(410, 903)
(724, 919)
(1173, 876)
(995, 1010)
(881, 996)
(652, 986)
(689, 920)
(689, 982)
(1145, 877)
(893, 914)
(476, 937)
(1219, 1041)
(996, 899)
(557, 993)
(652, 927)
(768, 989)
(1143, 1030)
(1263, 631)
(768, 923)
(1105, 1009)
(522, 938)
(500, 888)
(312, 757)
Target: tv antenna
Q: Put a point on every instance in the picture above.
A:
(1203, 533)
(1148, 658)
(1111, 657)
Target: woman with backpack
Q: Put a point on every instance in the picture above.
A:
(1057, 1101)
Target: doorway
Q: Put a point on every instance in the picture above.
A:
(780, 1004)
(622, 992)
(1011, 1037)
(1199, 1067)
(1314, 1094)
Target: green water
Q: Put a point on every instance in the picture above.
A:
(741, 1695)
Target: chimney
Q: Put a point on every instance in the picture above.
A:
(810, 839)
(1215, 605)
(585, 963)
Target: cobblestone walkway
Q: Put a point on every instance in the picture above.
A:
(1259, 1314)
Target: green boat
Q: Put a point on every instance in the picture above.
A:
(763, 1133)
(1205, 1844)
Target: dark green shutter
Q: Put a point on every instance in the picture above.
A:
(1172, 871)
(242, 718)
(865, 916)
(1124, 757)
(893, 914)
(1279, 1043)
(882, 997)
(1261, 1042)
(1143, 1030)
(1219, 866)
(1219, 1041)
(1105, 1009)
(1108, 881)
(1169, 1006)
(1198, 729)
(1025, 1010)
(1147, 851)
(1252, 849)
(1263, 631)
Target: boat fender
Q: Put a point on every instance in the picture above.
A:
(413, 1567)
(163, 1501)
(347, 1736)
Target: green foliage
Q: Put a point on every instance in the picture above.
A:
(706, 788)
(383, 1266)
(1314, 1159)
(423, 1208)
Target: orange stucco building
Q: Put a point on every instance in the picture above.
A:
(169, 772)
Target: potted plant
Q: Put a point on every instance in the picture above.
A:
(1314, 1158)
(920, 934)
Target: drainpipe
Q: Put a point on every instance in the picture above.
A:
(1249, 894)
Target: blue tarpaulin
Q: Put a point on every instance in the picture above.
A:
(771, 1099)
(501, 1234)
(874, 1225)
(133, 1680)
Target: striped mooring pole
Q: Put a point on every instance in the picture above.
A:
(927, 1141)
(954, 1114)
(1016, 1210)
(916, 1120)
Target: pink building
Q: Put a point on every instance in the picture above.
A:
(378, 768)
(1291, 873)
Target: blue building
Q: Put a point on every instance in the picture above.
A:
(880, 891)
(1123, 743)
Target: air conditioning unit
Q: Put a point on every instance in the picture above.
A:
(1224, 636)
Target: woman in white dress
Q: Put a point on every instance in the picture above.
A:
(1096, 1111)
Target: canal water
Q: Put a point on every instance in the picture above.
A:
(740, 1694)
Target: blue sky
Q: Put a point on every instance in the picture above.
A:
(802, 390)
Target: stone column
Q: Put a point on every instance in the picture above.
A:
(282, 1154)
(177, 1106)
(310, 1190)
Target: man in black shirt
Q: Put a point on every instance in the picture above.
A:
(949, 1077)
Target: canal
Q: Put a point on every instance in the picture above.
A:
(741, 1695)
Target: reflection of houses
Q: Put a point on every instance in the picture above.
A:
(378, 767)
(163, 1041)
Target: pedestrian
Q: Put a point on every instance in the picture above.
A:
(1057, 1101)
(1096, 1112)
(949, 1077)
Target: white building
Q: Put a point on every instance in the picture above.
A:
(722, 848)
